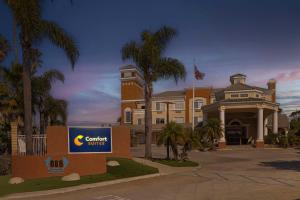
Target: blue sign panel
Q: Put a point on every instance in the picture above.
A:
(90, 140)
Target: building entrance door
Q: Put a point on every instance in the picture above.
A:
(236, 134)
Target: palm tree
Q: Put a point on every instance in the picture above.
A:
(171, 134)
(4, 47)
(55, 111)
(190, 140)
(32, 28)
(11, 96)
(148, 57)
(210, 132)
(41, 87)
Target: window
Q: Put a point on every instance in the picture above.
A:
(128, 115)
(127, 74)
(142, 107)
(234, 95)
(158, 106)
(179, 120)
(257, 95)
(243, 95)
(197, 120)
(140, 121)
(198, 104)
(160, 120)
(179, 106)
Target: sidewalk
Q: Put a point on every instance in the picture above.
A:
(164, 169)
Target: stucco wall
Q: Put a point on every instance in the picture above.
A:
(30, 167)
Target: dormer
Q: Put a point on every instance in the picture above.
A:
(238, 79)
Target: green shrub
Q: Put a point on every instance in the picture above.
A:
(271, 138)
(5, 166)
(293, 139)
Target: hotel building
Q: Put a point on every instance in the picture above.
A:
(247, 113)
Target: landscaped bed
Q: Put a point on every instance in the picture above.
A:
(176, 163)
(127, 168)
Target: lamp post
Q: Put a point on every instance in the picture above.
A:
(168, 141)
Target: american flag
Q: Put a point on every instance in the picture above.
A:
(198, 75)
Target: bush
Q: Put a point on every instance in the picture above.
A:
(5, 166)
(4, 139)
(271, 138)
(293, 139)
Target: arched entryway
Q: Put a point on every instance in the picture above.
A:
(236, 132)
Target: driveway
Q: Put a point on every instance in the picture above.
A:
(227, 174)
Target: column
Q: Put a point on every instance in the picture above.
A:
(260, 128)
(266, 126)
(14, 138)
(222, 141)
(275, 122)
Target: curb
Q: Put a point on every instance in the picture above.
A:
(78, 187)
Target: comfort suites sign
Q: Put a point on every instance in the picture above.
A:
(89, 140)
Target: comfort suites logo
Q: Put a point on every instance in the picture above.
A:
(77, 140)
(90, 140)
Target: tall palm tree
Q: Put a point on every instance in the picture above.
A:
(171, 134)
(11, 95)
(148, 57)
(32, 28)
(4, 47)
(41, 87)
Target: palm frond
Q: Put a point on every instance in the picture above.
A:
(61, 39)
(27, 14)
(53, 75)
(131, 51)
(164, 35)
(170, 68)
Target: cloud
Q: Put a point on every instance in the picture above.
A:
(94, 106)
(288, 76)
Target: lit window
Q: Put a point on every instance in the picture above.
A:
(158, 106)
(128, 115)
(198, 104)
(160, 120)
(127, 74)
(179, 106)
(197, 120)
(179, 120)
(140, 121)
(243, 95)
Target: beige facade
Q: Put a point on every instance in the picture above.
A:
(242, 109)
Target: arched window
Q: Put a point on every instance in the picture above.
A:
(128, 115)
(235, 123)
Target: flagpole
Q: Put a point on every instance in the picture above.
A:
(193, 111)
(193, 106)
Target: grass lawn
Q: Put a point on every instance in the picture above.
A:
(174, 163)
(127, 168)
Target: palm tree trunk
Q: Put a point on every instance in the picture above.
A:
(27, 95)
(168, 148)
(42, 123)
(148, 120)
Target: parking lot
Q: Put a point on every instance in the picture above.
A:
(227, 174)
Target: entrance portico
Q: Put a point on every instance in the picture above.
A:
(243, 120)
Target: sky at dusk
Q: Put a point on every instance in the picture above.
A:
(258, 38)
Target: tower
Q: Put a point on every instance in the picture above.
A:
(132, 92)
(272, 87)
